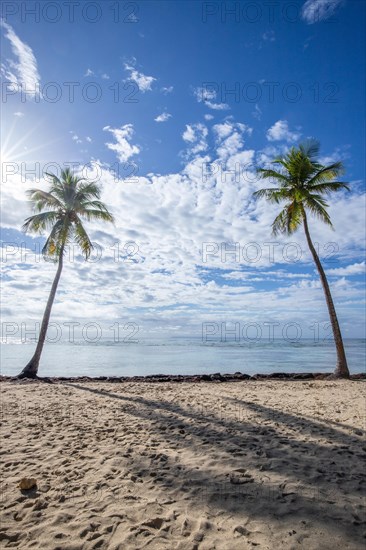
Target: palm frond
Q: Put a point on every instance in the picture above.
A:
(40, 222)
(69, 198)
(82, 238)
(266, 173)
(94, 214)
(294, 217)
(303, 184)
(318, 210)
(274, 195)
(280, 223)
(87, 191)
(42, 199)
(325, 173)
(310, 148)
(57, 239)
(329, 187)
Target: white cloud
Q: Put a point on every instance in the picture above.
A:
(105, 76)
(163, 117)
(89, 72)
(314, 11)
(75, 137)
(19, 114)
(230, 137)
(24, 71)
(206, 96)
(353, 269)
(89, 139)
(280, 132)
(196, 134)
(123, 147)
(217, 106)
(189, 134)
(167, 89)
(170, 217)
(143, 81)
(208, 117)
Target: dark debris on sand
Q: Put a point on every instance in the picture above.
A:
(216, 377)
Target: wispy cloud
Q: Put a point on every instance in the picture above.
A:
(208, 97)
(122, 147)
(89, 72)
(257, 113)
(314, 11)
(269, 36)
(143, 81)
(75, 137)
(163, 117)
(167, 89)
(24, 70)
(170, 217)
(354, 269)
(280, 132)
(19, 114)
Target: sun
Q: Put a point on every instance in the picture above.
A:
(15, 144)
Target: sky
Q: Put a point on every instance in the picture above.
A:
(171, 107)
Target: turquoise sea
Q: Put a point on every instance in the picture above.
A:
(182, 355)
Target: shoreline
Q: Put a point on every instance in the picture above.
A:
(179, 378)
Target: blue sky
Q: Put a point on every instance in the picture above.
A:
(184, 87)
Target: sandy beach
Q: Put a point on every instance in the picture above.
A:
(266, 464)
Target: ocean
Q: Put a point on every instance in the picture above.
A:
(181, 356)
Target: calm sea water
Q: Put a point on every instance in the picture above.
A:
(181, 356)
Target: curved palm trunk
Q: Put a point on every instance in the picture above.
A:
(31, 369)
(341, 370)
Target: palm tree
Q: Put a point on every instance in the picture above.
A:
(69, 200)
(303, 182)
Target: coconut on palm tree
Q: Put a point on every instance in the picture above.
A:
(302, 184)
(68, 202)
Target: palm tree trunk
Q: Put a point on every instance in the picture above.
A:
(31, 369)
(341, 370)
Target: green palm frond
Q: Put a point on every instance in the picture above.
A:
(302, 183)
(56, 240)
(274, 195)
(310, 148)
(294, 217)
(82, 239)
(87, 191)
(329, 187)
(317, 208)
(68, 198)
(280, 223)
(324, 173)
(266, 173)
(93, 214)
(40, 199)
(40, 222)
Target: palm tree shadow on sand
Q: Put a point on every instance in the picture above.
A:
(315, 479)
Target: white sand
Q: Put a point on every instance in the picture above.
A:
(268, 465)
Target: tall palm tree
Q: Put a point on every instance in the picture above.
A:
(302, 183)
(69, 200)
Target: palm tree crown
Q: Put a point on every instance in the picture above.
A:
(303, 182)
(69, 200)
